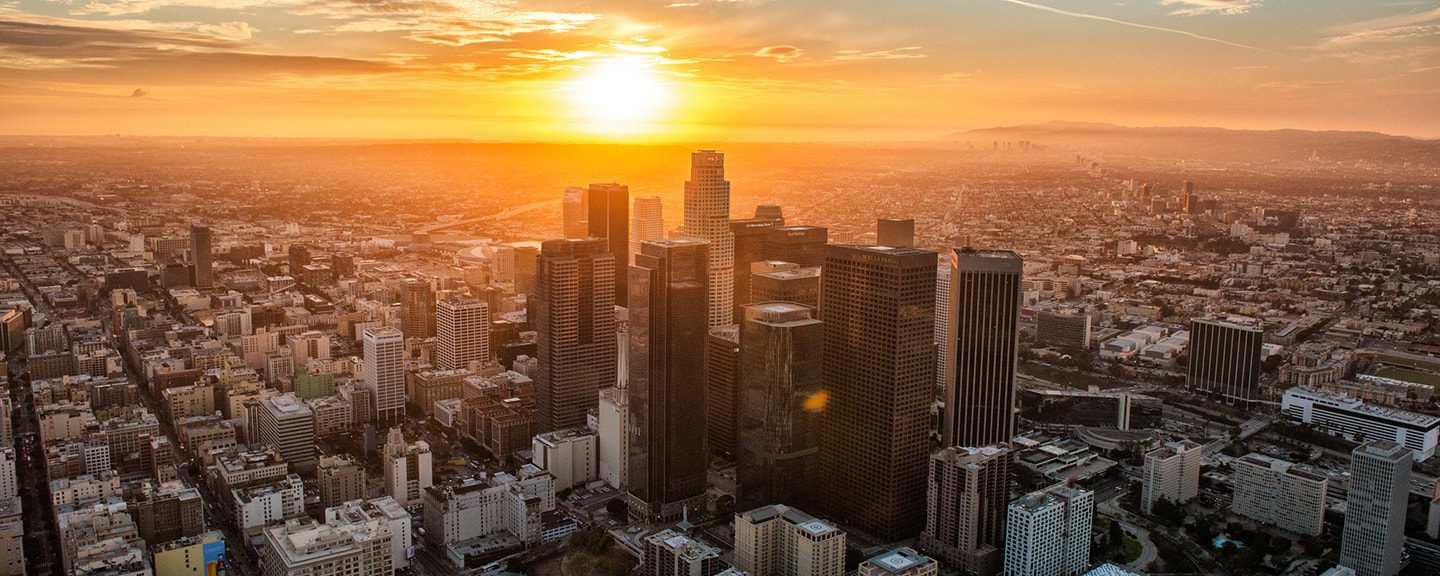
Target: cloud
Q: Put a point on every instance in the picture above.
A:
(954, 77)
(1202, 7)
(682, 5)
(781, 53)
(139, 93)
(906, 53)
(236, 30)
(1388, 30)
(1085, 16)
(549, 55)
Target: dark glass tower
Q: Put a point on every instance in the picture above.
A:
(574, 321)
(980, 347)
(1225, 358)
(803, 245)
(609, 218)
(878, 305)
(778, 434)
(200, 256)
(669, 316)
(417, 309)
(751, 235)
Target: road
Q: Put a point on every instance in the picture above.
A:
(516, 211)
(1148, 552)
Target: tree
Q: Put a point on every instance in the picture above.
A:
(617, 507)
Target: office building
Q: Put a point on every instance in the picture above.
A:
(777, 540)
(722, 377)
(462, 333)
(1047, 533)
(707, 217)
(1171, 472)
(647, 222)
(199, 555)
(751, 240)
(896, 232)
(878, 305)
(474, 508)
(342, 264)
(1225, 359)
(340, 479)
(1285, 495)
(609, 206)
(304, 547)
(668, 326)
(1066, 327)
(574, 213)
(574, 319)
(12, 538)
(612, 429)
(803, 245)
(942, 325)
(9, 484)
(299, 256)
(775, 281)
(965, 500)
(1355, 420)
(1374, 532)
(981, 347)
(264, 504)
(409, 468)
(569, 455)
(200, 257)
(384, 375)
(669, 553)
(899, 562)
(285, 422)
(417, 309)
(382, 510)
(778, 425)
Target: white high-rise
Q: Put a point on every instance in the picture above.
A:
(1171, 472)
(707, 216)
(408, 468)
(777, 540)
(385, 372)
(462, 332)
(1374, 533)
(1047, 533)
(647, 222)
(942, 323)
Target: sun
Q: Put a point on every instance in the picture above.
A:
(620, 97)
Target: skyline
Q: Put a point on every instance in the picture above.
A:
(564, 70)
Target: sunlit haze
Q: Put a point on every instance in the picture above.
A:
(567, 70)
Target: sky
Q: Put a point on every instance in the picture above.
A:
(717, 70)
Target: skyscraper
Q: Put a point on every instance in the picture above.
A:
(417, 309)
(668, 314)
(647, 222)
(200, 256)
(707, 216)
(286, 423)
(1047, 533)
(408, 468)
(609, 206)
(784, 282)
(965, 524)
(803, 245)
(574, 321)
(462, 332)
(942, 326)
(1374, 533)
(1225, 358)
(778, 427)
(751, 236)
(299, 257)
(384, 349)
(895, 232)
(981, 347)
(722, 377)
(574, 212)
(878, 306)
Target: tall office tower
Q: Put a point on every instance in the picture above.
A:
(610, 219)
(774, 281)
(384, 349)
(778, 425)
(462, 332)
(722, 377)
(417, 309)
(1066, 327)
(574, 320)
(1048, 532)
(286, 423)
(574, 211)
(200, 256)
(895, 232)
(1225, 358)
(9, 485)
(527, 256)
(647, 222)
(1171, 472)
(750, 235)
(408, 468)
(965, 522)
(942, 325)
(1187, 198)
(981, 347)
(1374, 534)
(343, 264)
(707, 216)
(669, 285)
(878, 305)
(777, 540)
(771, 212)
(803, 245)
(299, 257)
(1279, 493)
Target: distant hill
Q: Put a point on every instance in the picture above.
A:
(1218, 144)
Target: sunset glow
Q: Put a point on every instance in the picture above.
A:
(623, 97)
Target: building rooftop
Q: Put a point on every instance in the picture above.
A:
(900, 560)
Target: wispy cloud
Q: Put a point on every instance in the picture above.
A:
(1203, 7)
(1389, 29)
(782, 53)
(906, 53)
(1083, 15)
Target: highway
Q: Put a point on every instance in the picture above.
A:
(507, 213)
